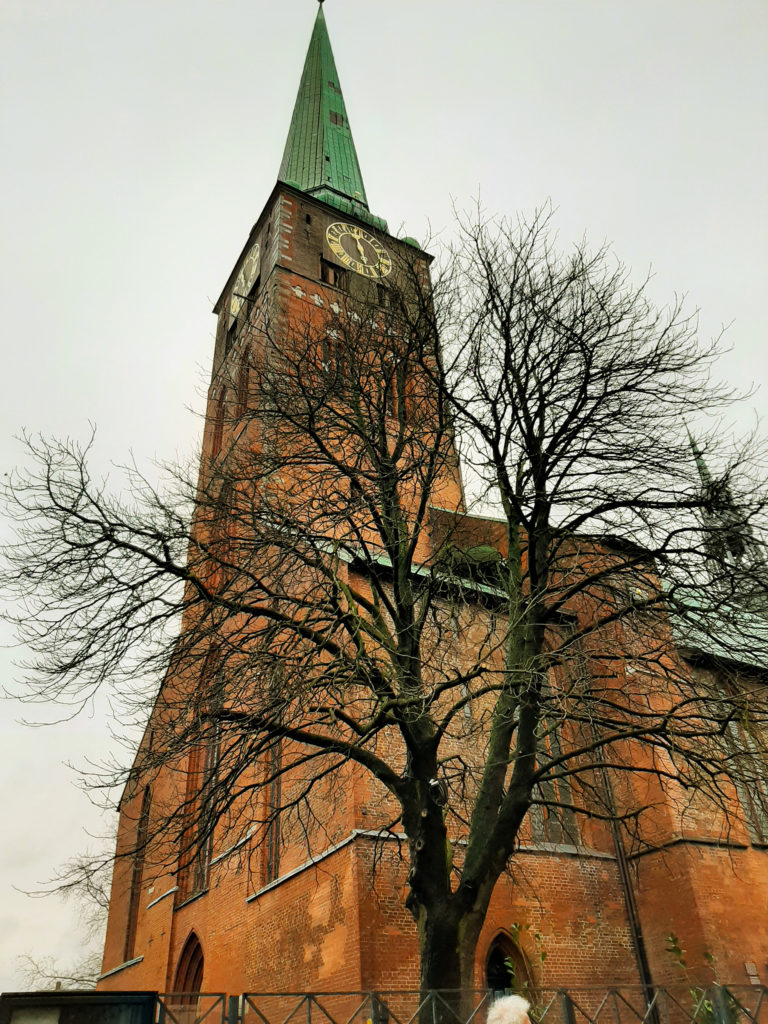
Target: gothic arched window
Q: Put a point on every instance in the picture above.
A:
(189, 973)
(506, 967)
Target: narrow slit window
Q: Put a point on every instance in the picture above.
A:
(137, 872)
(272, 867)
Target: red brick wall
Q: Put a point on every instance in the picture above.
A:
(339, 925)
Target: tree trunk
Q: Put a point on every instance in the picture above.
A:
(447, 946)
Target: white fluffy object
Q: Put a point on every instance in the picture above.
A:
(509, 1010)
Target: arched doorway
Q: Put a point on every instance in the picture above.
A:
(188, 982)
(506, 967)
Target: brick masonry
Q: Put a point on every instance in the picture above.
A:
(341, 923)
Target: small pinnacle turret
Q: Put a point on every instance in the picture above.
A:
(728, 535)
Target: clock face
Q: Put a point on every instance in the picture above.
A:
(358, 250)
(249, 271)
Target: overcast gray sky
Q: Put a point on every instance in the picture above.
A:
(141, 139)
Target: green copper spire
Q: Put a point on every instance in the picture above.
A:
(320, 155)
(704, 474)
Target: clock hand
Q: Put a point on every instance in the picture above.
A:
(361, 250)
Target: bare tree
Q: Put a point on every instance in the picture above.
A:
(321, 605)
(85, 882)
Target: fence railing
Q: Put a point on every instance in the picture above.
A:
(716, 1004)
(732, 1004)
(199, 1008)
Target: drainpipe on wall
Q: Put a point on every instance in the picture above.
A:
(628, 891)
(625, 878)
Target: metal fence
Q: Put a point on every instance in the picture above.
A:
(733, 1004)
(200, 1008)
(716, 1004)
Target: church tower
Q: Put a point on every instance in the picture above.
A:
(254, 907)
(315, 249)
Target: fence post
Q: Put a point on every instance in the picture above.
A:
(160, 1011)
(379, 1010)
(566, 1008)
(233, 1010)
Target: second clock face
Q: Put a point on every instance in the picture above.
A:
(358, 250)
(245, 279)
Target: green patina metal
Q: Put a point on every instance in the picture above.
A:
(320, 156)
(704, 474)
